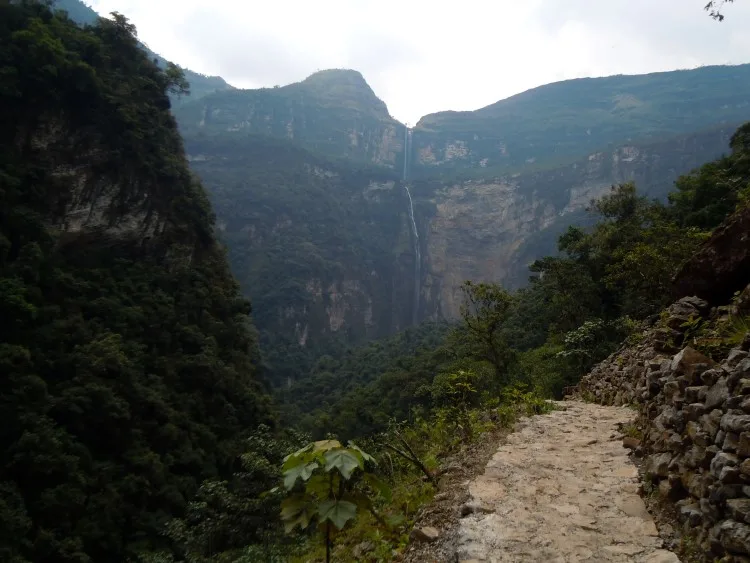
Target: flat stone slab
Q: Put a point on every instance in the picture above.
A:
(562, 489)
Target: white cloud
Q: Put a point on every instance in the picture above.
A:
(422, 57)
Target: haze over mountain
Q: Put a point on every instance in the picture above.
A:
(200, 84)
(422, 59)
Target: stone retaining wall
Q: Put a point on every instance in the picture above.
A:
(695, 420)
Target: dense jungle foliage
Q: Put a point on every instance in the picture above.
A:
(200, 84)
(128, 363)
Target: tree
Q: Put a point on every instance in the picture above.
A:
(485, 310)
(714, 8)
(327, 483)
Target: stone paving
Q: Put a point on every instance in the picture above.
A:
(562, 489)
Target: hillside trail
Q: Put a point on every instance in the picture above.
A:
(561, 489)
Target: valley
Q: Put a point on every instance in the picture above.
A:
(278, 324)
(482, 194)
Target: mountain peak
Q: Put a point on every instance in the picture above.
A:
(337, 76)
(343, 86)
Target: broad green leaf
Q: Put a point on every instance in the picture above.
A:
(302, 520)
(319, 484)
(380, 486)
(343, 460)
(338, 512)
(292, 506)
(364, 454)
(325, 445)
(296, 511)
(300, 451)
(301, 471)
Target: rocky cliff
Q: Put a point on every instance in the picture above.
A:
(492, 229)
(128, 360)
(323, 249)
(721, 264)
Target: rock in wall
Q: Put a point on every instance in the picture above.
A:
(695, 418)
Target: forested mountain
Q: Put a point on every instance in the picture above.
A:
(129, 365)
(332, 112)
(322, 248)
(279, 163)
(568, 120)
(200, 84)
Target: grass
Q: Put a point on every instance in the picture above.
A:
(444, 437)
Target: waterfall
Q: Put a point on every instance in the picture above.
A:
(414, 231)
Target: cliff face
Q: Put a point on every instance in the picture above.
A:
(722, 265)
(492, 229)
(128, 363)
(324, 250)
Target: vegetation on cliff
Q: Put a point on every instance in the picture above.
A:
(332, 112)
(577, 308)
(128, 363)
(200, 85)
(320, 247)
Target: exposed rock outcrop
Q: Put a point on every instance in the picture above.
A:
(721, 265)
(695, 418)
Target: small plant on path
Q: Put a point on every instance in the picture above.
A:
(327, 485)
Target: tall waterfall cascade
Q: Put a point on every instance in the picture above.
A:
(414, 231)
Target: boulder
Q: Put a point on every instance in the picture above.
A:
(739, 509)
(717, 394)
(658, 464)
(721, 266)
(427, 534)
(735, 537)
(630, 442)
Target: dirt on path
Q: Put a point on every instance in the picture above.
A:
(561, 489)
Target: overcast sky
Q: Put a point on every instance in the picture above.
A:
(425, 56)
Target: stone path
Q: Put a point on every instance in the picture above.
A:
(562, 489)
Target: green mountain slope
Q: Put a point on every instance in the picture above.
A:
(323, 249)
(129, 366)
(200, 84)
(332, 112)
(562, 121)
